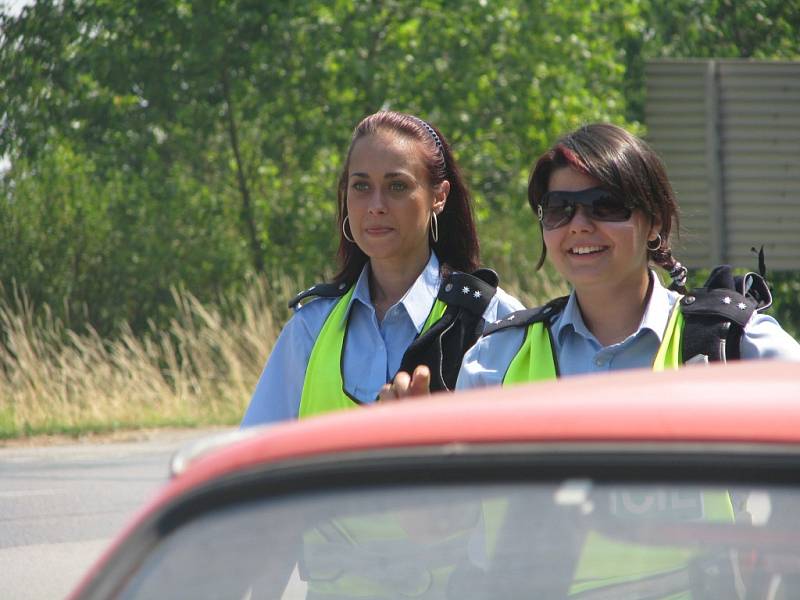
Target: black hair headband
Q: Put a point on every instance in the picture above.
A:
(431, 131)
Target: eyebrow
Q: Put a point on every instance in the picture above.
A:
(385, 176)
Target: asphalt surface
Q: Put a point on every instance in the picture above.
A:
(61, 504)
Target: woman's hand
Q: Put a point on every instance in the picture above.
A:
(403, 386)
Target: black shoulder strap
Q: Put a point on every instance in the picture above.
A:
(715, 315)
(472, 292)
(443, 345)
(319, 290)
(523, 318)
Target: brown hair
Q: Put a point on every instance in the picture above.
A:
(457, 247)
(625, 166)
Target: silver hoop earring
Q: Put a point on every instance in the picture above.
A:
(434, 227)
(654, 246)
(344, 230)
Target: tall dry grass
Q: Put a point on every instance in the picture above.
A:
(200, 370)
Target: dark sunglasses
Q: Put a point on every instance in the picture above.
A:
(557, 208)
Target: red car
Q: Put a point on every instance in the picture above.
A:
(631, 485)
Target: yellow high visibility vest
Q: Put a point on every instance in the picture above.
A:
(323, 386)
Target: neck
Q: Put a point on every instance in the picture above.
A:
(390, 280)
(612, 313)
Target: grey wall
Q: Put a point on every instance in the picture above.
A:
(729, 132)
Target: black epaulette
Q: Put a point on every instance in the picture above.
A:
(472, 292)
(523, 318)
(715, 315)
(319, 290)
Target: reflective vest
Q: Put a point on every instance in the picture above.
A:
(323, 386)
(535, 360)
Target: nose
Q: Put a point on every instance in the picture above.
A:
(581, 221)
(377, 203)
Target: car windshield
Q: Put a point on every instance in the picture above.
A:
(570, 539)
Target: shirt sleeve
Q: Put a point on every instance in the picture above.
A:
(280, 387)
(488, 360)
(765, 338)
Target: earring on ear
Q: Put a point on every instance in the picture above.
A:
(344, 230)
(655, 244)
(434, 227)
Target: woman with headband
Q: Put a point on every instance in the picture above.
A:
(405, 294)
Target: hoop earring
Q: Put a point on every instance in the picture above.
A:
(653, 247)
(344, 230)
(434, 227)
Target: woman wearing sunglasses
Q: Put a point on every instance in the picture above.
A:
(606, 210)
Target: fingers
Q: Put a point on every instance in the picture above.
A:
(396, 389)
(405, 385)
(420, 381)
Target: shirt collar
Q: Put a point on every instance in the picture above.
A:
(418, 299)
(655, 317)
(659, 308)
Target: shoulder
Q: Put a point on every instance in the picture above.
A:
(312, 307)
(502, 305)
(478, 292)
(319, 290)
(473, 292)
(725, 296)
(764, 337)
(727, 304)
(524, 318)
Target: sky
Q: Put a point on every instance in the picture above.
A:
(10, 7)
(13, 6)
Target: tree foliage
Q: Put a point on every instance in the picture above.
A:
(156, 144)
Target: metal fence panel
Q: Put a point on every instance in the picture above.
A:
(729, 133)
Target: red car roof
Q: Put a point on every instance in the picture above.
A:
(748, 402)
(755, 402)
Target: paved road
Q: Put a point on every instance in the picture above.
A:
(61, 504)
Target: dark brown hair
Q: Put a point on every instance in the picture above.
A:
(458, 247)
(625, 166)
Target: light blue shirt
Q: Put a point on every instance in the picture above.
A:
(578, 351)
(373, 351)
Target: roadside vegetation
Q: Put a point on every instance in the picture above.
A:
(200, 370)
(168, 170)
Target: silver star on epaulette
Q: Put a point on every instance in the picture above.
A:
(511, 318)
(726, 300)
(476, 294)
(742, 305)
(465, 290)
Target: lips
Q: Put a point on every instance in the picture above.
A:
(378, 230)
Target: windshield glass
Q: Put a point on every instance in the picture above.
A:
(569, 539)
